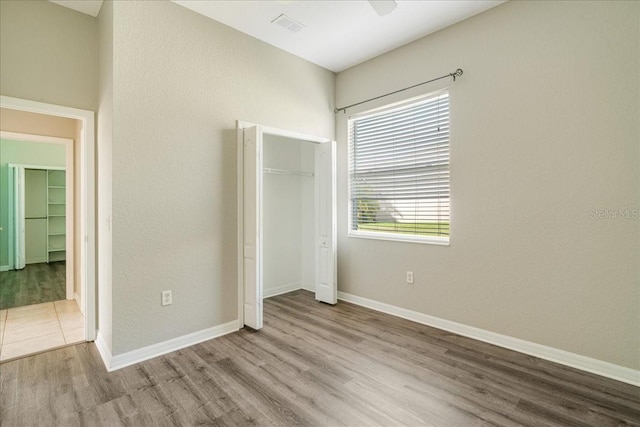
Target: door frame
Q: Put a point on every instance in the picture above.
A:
(240, 125)
(87, 199)
(69, 199)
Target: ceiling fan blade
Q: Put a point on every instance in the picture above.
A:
(383, 7)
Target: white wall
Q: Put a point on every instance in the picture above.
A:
(545, 129)
(180, 81)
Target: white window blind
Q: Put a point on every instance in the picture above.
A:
(399, 171)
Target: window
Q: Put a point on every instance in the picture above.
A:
(399, 171)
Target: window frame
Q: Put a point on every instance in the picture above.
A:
(395, 237)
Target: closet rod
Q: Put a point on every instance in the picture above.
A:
(286, 172)
(456, 73)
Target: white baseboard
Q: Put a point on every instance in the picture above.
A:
(4, 268)
(281, 290)
(120, 361)
(79, 302)
(36, 260)
(308, 287)
(584, 363)
(104, 350)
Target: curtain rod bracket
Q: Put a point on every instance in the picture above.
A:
(456, 73)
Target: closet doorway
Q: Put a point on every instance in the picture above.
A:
(286, 217)
(40, 202)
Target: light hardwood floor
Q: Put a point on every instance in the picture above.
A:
(320, 365)
(39, 327)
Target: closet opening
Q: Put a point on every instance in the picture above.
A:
(37, 218)
(289, 215)
(286, 217)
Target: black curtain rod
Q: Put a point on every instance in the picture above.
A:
(456, 73)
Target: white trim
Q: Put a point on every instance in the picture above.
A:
(42, 167)
(386, 108)
(283, 132)
(87, 193)
(267, 293)
(27, 137)
(36, 260)
(584, 363)
(399, 237)
(240, 219)
(76, 297)
(129, 358)
(103, 349)
(4, 268)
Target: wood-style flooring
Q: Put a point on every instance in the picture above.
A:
(34, 284)
(318, 365)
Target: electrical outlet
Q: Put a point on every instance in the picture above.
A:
(166, 298)
(410, 277)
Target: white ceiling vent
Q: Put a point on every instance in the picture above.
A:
(288, 23)
(383, 7)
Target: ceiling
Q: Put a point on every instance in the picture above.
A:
(336, 34)
(341, 33)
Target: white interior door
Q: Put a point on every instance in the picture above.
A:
(326, 260)
(252, 179)
(18, 218)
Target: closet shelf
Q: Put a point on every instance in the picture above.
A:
(56, 198)
(286, 172)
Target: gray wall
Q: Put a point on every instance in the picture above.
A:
(48, 53)
(545, 129)
(180, 82)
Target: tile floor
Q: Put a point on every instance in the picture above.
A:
(39, 327)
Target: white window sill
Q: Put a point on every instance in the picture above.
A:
(428, 240)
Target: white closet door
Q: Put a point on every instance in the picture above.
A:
(253, 257)
(18, 218)
(326, 260)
